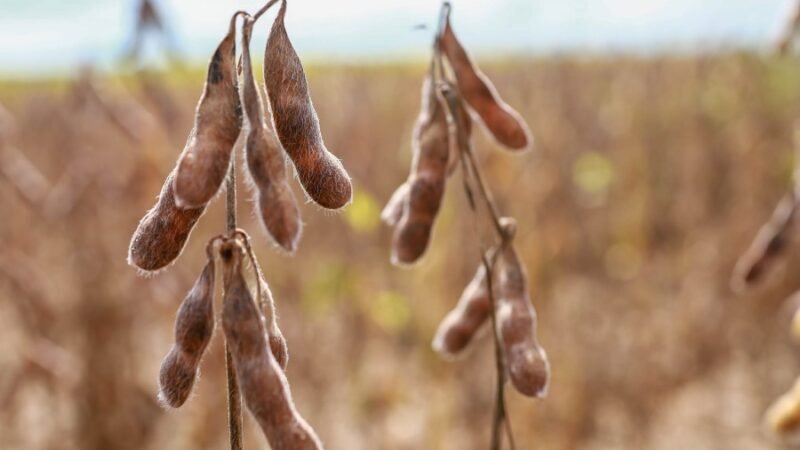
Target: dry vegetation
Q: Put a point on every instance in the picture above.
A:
(650, 178)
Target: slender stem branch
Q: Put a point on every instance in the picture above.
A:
(444, 16)
(234, 396)
(467, 155)
(234, 403)
(436, 61)
(471, 174)
(499, 408)
(230, 199)
(264, 9)
(491, 206)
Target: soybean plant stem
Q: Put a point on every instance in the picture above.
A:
(264, 9)
(230, 199)
(471, 171)
(234, 396)
(468, 160)
(500, 412)
(500, 404)
(485, 192)
(444, 15)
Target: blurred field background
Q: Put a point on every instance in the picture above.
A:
(651, 175)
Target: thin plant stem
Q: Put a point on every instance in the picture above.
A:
(472, 174)
(234, 395)
(230, 200)
(444, 16)
(436, 61)
(235, 419)
(467, 155)
(264, 9)
(499, 408)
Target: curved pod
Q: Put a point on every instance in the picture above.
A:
(194, 326)
(502, 121)
(205, 159)
(525, 360)
(275, 203)
(296, 123)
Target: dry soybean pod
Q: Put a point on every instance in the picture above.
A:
(426, 183)
(393, 210)
(525, 360)
(266, 163)
(162, 232)
(277, 343)
(502, 121)
(463, 124)
(296, 123)
(194, 326)
(769, 243)
(263, 383)
(206, 157)
(461, 325)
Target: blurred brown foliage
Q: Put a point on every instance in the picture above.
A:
(650, 177)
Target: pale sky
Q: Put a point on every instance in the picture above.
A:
(41, 36)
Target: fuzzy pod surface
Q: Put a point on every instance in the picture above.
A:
(275, 203)
(205, 159)
(426, 182)
(502, 121)
(462, 324)
(321, 174)
(393, 210)
(277, 343)
(461, 128)
(525, 360)
(264, 386)
(194, 326)
(163, 231)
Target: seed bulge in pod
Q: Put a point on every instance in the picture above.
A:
(502, 121)
(205, 159)
(322, 175)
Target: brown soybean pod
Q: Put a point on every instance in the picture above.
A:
(502, 121)
(263, 383)
(462, 126)
(162, 232)
(768, 245)
(525, 360)
(296, 123)
(275, 202)
(259, 289)
(277, 343)
(426, 182)
(464, 322)
(205, 159)
(393, 210)
(194, 326)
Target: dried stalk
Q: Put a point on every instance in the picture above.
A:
(234, 395)
(472, 174)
